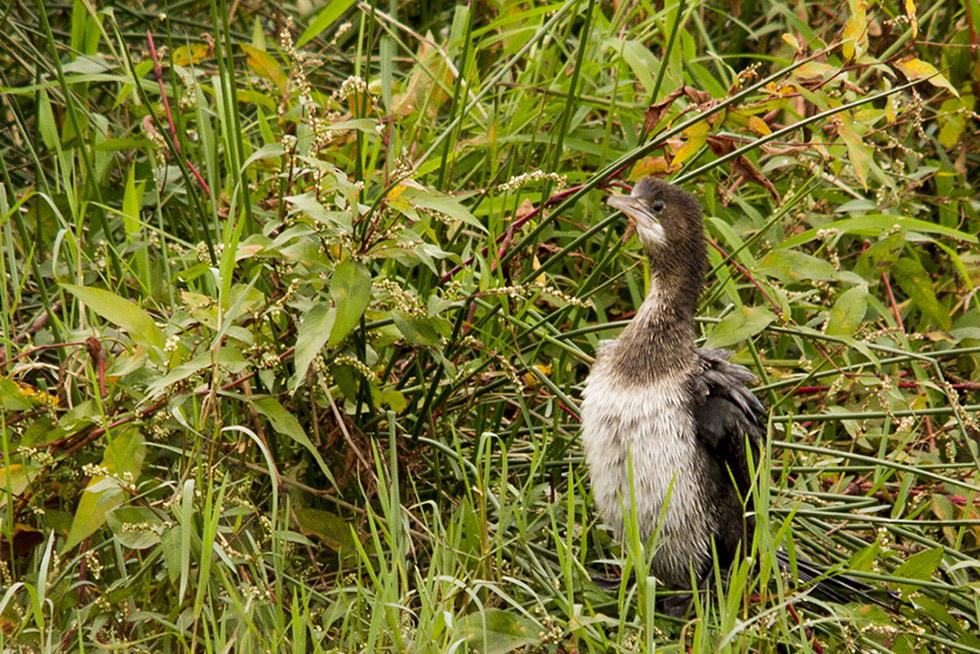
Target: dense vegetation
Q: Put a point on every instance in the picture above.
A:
(297, 305)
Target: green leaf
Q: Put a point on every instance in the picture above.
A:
(874, 224)
(394, 399)
(135, 527)
(848, 311)
(790, 266)
(740, 324)
(495, 631)
(861, 155)
(329, 528)
(443, 204)
(938, 611)
(418, 332)
(642, 63)
(132, 200)
(227, 357)
(327, 17)
(919, 566)
(125, 314)
(13, 397)
(123, 458)
(350, 288)
(879, 258)
(918, 286)
(313, 334)
(287, 424)
(47, 124)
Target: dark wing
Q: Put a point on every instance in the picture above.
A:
(728, 416)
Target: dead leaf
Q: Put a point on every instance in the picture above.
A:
(652, 116)
(746, 169)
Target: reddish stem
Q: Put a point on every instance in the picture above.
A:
(891, 300)
(158, 71)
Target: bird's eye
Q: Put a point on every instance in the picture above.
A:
(657, 205)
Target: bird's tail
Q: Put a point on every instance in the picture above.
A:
(839, 588)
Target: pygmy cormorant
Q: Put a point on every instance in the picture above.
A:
(679, 419)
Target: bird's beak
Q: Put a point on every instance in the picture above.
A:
(634, 208)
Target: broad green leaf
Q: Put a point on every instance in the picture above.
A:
(938, 611)
(495, 631)
(918, 286)
(350, 288)
(329, 528)
(875, 224)
(394, 399)
(740, 324)
(865, 558)
(135, 527)
(327, 17)
(442, 203)
(286, 424)
(123, 458)
(313, 334)
(790, 266)
(641, 61)
(123, 313)
(919, 566)
(419, 332)
(848, 311)
(880, 257)
(307, 203)
(14, 397)
(170, 542)
(952, 119)
(228, 357)
(267, 151)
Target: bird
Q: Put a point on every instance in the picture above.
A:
(670, 427)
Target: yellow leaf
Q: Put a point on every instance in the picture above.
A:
(697, 135)
(265, 66)
(192, 55)
(541, 279)
(813, 70)
(790, 40)
(531, 380)
(856, 31)
(758, 125)
(916, 69)
(913, 19)
(649, 166)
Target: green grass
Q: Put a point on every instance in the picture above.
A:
(291, 352)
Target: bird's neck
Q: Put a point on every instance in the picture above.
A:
(659, 341)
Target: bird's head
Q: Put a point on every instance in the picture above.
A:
(668, 224)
